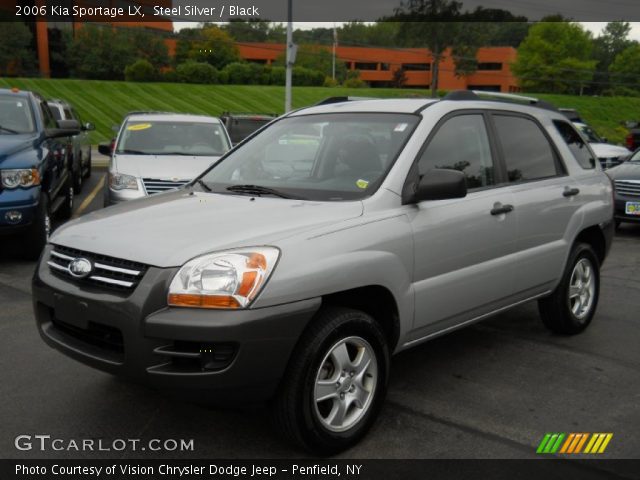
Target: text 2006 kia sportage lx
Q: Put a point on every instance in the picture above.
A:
(339, 235)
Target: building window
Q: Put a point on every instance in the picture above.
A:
(366, 66)
(385, 66)
(490, 66)
(416, 67)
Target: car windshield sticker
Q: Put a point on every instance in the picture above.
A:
(401, 127)
(362, 183)
(139, 126)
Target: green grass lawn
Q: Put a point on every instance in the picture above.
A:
(104, 102)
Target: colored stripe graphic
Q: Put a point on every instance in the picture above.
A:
(573, 443)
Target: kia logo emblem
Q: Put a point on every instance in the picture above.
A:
(80, 267)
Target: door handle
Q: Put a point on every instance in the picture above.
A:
(501, 209)
(570, 192)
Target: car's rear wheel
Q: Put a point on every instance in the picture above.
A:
(571, 307)
(335, 383)
(38, 233)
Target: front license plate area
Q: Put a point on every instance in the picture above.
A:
(632, 208)
(71, 311)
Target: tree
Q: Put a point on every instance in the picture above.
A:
(431, 24)
(613, 40)
(555, 57)
(625, 71)
(100, 53)
(209, 44)
(399, 78)
(16, 58)
(140, 71)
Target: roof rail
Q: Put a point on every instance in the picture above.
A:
(499, 97)
(330, 100)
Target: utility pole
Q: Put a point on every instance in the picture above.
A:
(335, 43)
(290, 58)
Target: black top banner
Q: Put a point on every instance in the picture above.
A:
(317, 11)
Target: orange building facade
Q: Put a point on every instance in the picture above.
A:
(377, 65)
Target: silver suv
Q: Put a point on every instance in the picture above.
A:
(337, 236)
(156, 152)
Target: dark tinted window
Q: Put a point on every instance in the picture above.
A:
(47, 117)
(527, 152)
(461, 143)
(57, 114)
(576, 144)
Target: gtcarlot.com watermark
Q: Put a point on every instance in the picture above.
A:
(44, 443)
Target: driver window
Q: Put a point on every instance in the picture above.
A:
(461, 143)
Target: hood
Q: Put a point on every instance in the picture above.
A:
(12, 144)
(625, 171)
(168, 229)
(607, 150)
(181, 167)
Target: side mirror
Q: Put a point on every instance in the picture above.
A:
(87, 127)
(60, 132)
(69, 125)
(105, 149)
(441, 184)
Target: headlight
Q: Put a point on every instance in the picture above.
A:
(20, 178)
(230, 279)
(120, 181)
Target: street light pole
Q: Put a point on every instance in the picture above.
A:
(289, 57)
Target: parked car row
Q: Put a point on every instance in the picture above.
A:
(36, 168)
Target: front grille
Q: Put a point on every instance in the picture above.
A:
(101, 336)
(156, 185)
(113, 273)
(629, 188)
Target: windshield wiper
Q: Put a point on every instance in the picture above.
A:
(5, 129)
(259, 190)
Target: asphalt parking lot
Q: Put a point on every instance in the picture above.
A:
(489, 391)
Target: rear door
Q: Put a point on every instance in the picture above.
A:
(56, 152)
(546, 200)
(462, 269)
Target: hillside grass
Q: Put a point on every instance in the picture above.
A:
(104, 103)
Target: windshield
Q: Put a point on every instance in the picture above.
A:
(635, 157)
(587, 131)
(15, 115)
(172, 138)
(329, 157)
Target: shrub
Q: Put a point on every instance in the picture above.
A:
(277, 75)
(197, 72)
(140, 71)
(355, 83)
(307, 78)
(170, 76)
(240, 73)
(330, 82)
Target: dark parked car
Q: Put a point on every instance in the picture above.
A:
(81, 152)
(626, 178)
(241, 125)
(35, 169)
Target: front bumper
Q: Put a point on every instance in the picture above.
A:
(23, 200)
(216, 355)
(620, 209)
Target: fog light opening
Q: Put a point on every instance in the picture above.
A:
(13, 216)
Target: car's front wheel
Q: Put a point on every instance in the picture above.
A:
(571, 307)
(335, 383)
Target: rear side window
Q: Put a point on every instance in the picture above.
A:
(576, 144)
(461, 143)
(47, 117)
(528, 155)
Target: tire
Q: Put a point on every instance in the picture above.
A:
(88, 174)
(571, 307)
(317, 426)
(77, 180)
(66, 210)
(36, 237)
